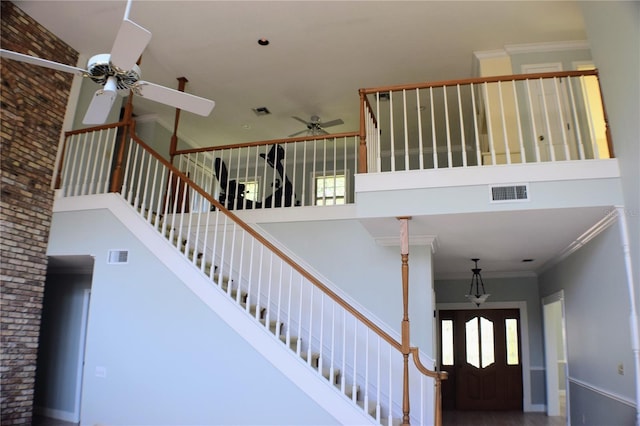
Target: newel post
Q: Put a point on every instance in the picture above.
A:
(362, 147)
(116, 177)
(406, 349)
(173, 146)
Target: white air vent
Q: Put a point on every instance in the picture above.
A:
(118, 257)
(509, 193)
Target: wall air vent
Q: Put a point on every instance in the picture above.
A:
(507, 193)
(118, 257)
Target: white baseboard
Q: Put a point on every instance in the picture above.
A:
(536, 408)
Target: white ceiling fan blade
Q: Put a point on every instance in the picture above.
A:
(129, 44)
(301, 120)
(40, 62)
(101, 103)
(299, 133)
(335, 122)
(175, 98)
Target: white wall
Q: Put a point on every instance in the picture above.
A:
(156, 354)
(613, 30)
(597, 325)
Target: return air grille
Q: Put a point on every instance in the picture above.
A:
(118, 257)
(509, 193)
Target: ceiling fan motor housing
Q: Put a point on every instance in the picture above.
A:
(100, 68)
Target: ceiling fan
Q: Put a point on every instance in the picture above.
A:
(118, 73)
(315, 127)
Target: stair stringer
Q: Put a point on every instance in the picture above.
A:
(278, 354)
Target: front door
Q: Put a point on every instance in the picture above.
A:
(480, 349)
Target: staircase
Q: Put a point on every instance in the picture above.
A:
(352, 358)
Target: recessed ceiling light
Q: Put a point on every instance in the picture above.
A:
(246, 126)
(263, 41)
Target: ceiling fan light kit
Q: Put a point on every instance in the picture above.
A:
(118, 73)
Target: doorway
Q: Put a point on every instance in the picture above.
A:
(481, 351)
(556, 371)
(63, 330)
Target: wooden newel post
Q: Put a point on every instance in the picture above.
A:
(406, 341)
(362, 148)
(173, 146)
(117, 176)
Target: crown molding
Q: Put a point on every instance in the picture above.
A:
(554, 46)
(583, 239)
(490, 54)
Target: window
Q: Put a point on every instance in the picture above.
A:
(479, 333)
(447, 342)
(511, 327)
(330, 190)
(251, 190)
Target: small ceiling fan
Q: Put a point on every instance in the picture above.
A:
(118, 73)
(315, 127)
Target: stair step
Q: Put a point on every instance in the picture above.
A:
(326, 373)
(273, 324)
(315, 357)
(253, 309)
(293, 341)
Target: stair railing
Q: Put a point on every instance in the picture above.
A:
(302, 171)
(346, 348)
(510, 119)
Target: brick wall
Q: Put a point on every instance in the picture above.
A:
(33, 102)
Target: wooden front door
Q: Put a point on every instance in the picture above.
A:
(480, 349)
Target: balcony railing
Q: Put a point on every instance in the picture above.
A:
(484, 121)
(305, 171)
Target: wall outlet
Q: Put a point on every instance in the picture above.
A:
(101, 372)
(621, 369)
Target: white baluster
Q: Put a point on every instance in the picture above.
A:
(434, 145)
(463, 142)
(547, 122)
(533, 122)
(523, 157)
(406, 130)
(575, 118)
(420, 141)
(354, 385)
(563, 121)
(90, 165)
(475, 126)
(448, 127)
(392, 133)
(489, 124)
(94, 165)
(505, 136)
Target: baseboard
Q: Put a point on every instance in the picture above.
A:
(536, 408)
(52, 413)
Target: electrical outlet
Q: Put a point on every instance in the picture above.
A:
(621, 369)
(101, 372)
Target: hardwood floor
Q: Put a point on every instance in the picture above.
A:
(499, 418)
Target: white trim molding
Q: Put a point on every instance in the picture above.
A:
(611, 395)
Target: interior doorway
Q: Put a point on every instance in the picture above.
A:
(556, 371)
(63, 330)
(481, 351)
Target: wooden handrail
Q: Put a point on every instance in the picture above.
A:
(384, 335)
(476, 80)
(94, 129)
(267, 142)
